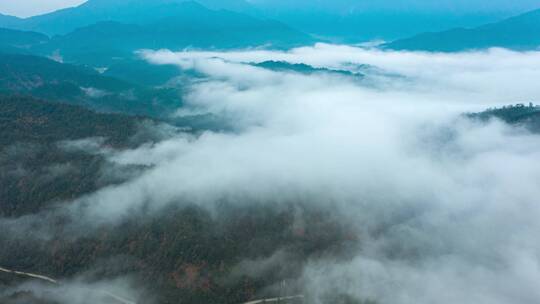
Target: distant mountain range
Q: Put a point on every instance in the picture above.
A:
(192, 26)
(359, 23)
(519, 33)
(100, 32)
(126, 11)
(8, 21)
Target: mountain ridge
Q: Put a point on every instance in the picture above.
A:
(66, 20)
(189, 25)
(78, 85)
(98, 33)
(521, 32)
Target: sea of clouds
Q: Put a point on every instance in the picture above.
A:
(446, 208)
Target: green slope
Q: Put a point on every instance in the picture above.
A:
(36, 171)
(52, 80)
(527, 116)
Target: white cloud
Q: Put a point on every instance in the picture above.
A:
(446, 208)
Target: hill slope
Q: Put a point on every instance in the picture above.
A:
(36, 171)
(520, 33)
(183, 253)
(9, 21)
(44, 78)
(14, 41)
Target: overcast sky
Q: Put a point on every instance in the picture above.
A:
(25, 8)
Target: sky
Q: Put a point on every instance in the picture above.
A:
(26, 8)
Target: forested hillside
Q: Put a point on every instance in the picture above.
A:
(45, 78)
(38, 167)
(50, 154)
(527, 116)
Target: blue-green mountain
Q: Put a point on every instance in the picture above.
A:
(192, 25)
(521, 32)
(127, 11)
(13, 41)
(78, 85)
(101, 33)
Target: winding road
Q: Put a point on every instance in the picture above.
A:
(55, 282)
(269, 300)
(126, 301)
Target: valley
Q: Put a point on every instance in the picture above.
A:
(248, 152)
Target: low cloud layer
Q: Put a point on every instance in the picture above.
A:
(445, 206)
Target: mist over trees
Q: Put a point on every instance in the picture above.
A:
(180, 152)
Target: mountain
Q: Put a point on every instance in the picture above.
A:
(13, 41)
(102, 33)
(192, 25)
(30, 130)
(9, 21)
(240, 6)
(353, 21)
(521, 32)
(125, 11)
(186, 252)
(283, 66)
(527, 116)
(143, 73)
(349, 22)
(45, 78)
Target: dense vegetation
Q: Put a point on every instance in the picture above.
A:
(184, 252)
(36, 170)
(186, 255)
(59, 122)
(527, 116)
(283, 66)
